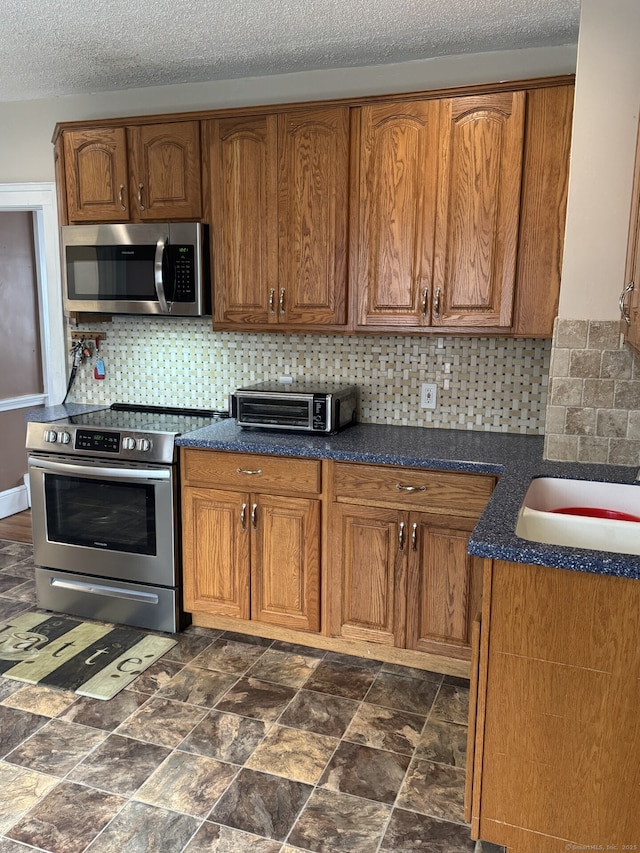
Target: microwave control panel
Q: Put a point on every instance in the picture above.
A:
(182, 259)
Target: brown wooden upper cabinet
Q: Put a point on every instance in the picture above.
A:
(138, 173)
(436, 210)
(630, 296)
(414, 214)
(279, 197)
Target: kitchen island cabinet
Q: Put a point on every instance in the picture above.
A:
(554, 758)
(253, 545)
(131, 174)
(399, 571)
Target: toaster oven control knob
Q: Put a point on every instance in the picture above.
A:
(64, 438)
(51, 436)
(144, 444)
(128, 443)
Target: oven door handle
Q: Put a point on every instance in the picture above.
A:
(100, 471)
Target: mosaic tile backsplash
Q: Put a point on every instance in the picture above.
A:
(490, 384)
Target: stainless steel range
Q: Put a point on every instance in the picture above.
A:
(105, 511)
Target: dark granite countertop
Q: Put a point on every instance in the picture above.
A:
(514, 459)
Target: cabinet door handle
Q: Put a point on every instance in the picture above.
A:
(254, 516)
(414, 537)
(257, 472)
(402, 488)
(282, 309)
(425, 301)
(243, 517)
(272, 301)
(140, 204)
(401, 536)
(625, 316)
(123, 206)
(436, 304)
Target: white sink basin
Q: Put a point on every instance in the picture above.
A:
(573, 512)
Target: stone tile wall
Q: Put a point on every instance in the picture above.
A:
(594, 395)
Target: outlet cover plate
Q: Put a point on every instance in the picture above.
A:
(428, 396)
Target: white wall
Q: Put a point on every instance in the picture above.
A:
(602, 158)
(26, 153)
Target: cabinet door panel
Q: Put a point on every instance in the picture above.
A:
(216, 552)
(478, 209)
(286, 562)
(394, 212)
(443, 589)
(373, 574)
(96, 175)
(244, 218)
(312, 213)
(165, 170)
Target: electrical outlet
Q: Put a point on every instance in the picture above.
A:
(428, 396)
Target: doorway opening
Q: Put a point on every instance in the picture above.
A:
(32, 324)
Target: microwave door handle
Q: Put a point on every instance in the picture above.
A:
(158, 279)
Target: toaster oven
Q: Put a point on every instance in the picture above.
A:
(300, 406)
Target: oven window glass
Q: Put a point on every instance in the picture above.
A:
(101, 514)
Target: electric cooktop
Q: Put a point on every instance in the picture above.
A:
(146, 418)
(122, 432)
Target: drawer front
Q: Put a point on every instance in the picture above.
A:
(412, 488)
(250, 472)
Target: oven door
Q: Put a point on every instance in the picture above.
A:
(105, 519)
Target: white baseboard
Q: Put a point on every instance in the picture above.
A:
(13, 501)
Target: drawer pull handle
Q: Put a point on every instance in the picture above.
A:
(281, 301)
(243, 517)
(121, 199)
(272, 301)
(414, 537)
(425, 301)
(257, 472)
(401, 488)
(254, 516)
(140, 202)
(401, 536)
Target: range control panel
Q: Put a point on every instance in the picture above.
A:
(68, 439)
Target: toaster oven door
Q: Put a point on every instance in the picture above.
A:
(288, 411)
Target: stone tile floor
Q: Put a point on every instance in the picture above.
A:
(232, 743)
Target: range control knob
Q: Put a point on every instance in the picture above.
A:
(64, 438)
(144, 444)
(51, 436)
(128, 443)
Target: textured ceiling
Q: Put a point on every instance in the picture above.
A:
(51, 48)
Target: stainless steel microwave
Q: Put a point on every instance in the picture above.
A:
(299, 406)
(124, 268)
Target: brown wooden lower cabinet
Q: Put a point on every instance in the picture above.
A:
(401, 575)
(389, 544)
(555, 759)
(251, 555)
